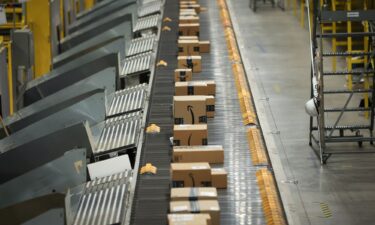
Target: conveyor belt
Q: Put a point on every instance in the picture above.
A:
(128, 100)
(145, 23)
(104, 200)
(240, 203)
(120, 132)
(150, 8)
(136, 64)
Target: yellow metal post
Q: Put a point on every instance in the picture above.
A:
(89, 4)
(10, 78)
(302, 13)
(349, 59)
(38, 19)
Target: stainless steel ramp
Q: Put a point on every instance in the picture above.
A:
(141, 45)
(145, 23)
(128, 100)
(150, 8)
(104, 200)
(136, 64)
(119, 133)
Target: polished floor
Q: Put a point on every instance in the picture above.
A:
(275, 50)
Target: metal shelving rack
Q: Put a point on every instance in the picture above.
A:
(331, 126)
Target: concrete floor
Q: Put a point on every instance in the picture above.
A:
(275, 50)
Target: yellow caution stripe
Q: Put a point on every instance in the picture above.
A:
(270, 200)
(258, 152)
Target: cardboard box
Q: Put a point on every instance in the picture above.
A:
(190, 62)
(187, 38)
(190, 135)
(190, 109)
(188, 13)
(202, 206)
(210, 106)
(188, 29)
(183, 75)
(188, 2)
(219, 177)
(205, 153)
(193, 193)
(190, 88)
(196, 7)
(191, 174)
(189, 219)
(188, 47)
(188, 19)
(202, 87)
(204, 46)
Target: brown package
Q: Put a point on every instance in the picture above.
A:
(190, 134)
(202, 87)
(188, 29)
(189, 219)
(193, 193)
(188, 19)
(210, 106)
(188, 47)
(188, 13)
(191, 174)
(187, 38)
(204, 46)
(190, 62)
(219, 177)
(190, 109)
(190, 88)
(182, 75)
(202, 206)
(196, 7)
(203, 153)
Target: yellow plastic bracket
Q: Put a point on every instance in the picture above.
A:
(166, 28)
(153, 129)
(167, 19)
(162, 63)
(148, 168)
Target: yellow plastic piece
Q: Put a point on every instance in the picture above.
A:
(272, 209)
(258, 152)
(148, 168)
(166, 28)
(167, 19)
(162, 63)
(152, 129)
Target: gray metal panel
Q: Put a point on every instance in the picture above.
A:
(97, 7)
(78, 103)
(150, 8)
(119, 133)
(128, 100)
(103, 201)
(99, 14)
(145, 23)
(68, 75)
(55, 23)
(141, 45)
(120, 22)
(70, 168)
(41, 150)
(136, 64)
(102, 44)
(69, 15)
